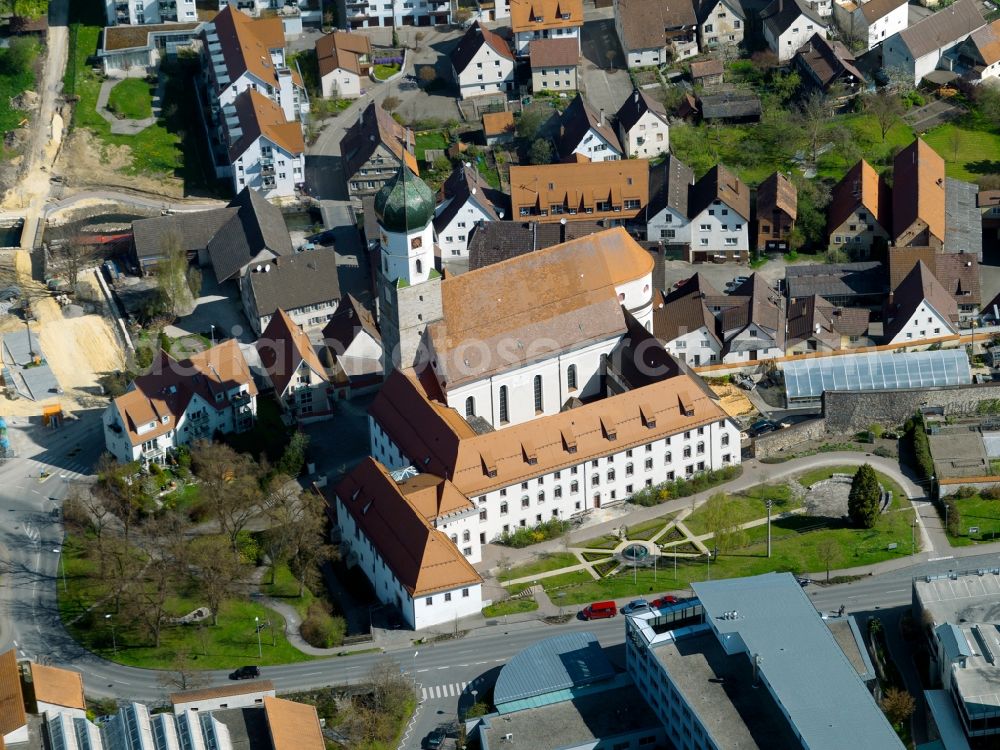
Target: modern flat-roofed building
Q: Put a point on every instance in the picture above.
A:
(756, 667)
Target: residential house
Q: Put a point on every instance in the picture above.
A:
(344, 60)
(498, 128)
(495, 242)
(554, 64)
(360, 14)
(266, 152)
(139, 12)
(585, 135)
(239, 695)
(777, 208)
(988, 205)
(466, 199)
(918, 197)
(229, 239)
(686, 326)
(482, 63)
(860, 214)
(531, 20)
(932, 42)
(654, 33)
(57, 691)
(179, 402)
(353, 349)
(919, 309)
(395, 532)
(255, 103)
(788, 24)
(958, 273)
(670, 184)
(708, 72)
(372, 149)
(979, 54)
(870, 22)
(719, 212)
(137, 50)
(294, 370)
(616, 191)
(863, 284)
(643, 126)
(734, 106)
(828, 67)
(303, 285)
(721, 23)
(293, 13)
(817, 325)
(751, 321)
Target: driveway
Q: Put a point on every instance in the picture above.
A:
(937, 112)
(218, 305)
(605, 80)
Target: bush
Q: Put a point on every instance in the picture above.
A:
(991, 493)
(954, 516)
(876, 431)
(660, 493)
(917, 436)
(964, 493)
(320, 628)
(884, 452)
(524, 536)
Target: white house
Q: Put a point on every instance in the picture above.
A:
(751, 321)
(719, 211)
(266, 152)
(304, 286)
(531, 20)
(654, 33)
(293, 13)
(980, 53)
(482, 63)
(467, 200)
(642, 127)
(920, 308)
(294, 370)
(721, 23)
(360, 14)
(58, 691)
(343, 60)
(587, 134)
(789, 24)
(353, 349)
(396, 532)
(247, 695)
(137, 12)
(124, 52)
(932, 42)
(685, 324)
(556, 466)
(670, 184)
(871, 22)
(179, 402)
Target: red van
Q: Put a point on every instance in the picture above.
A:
(600, 610)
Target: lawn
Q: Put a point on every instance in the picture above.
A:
(648, 529)
(232, 642)
(182, 499)
(546, 563)
(174, 145)
(510, 607)
(981, 512)
(286, 587)
(747, 506)
(385, 71)
(17, 75)
(899, 499)
(433, 139)
(132, 99)
(969, 151)
(607, 542)
(867, 136)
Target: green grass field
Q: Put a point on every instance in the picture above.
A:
(510, 607)
(433, 139)
(968, 153)
(132, 99)
(981, 512)
(16, 77)
(746, 506)
(286, 588)
(544, 564)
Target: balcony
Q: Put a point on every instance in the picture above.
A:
(267, 170)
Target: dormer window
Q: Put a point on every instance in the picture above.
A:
(218, 397)
(165, 419)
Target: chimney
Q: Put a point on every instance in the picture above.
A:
(602, 117)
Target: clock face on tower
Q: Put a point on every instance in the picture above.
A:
(416, 242)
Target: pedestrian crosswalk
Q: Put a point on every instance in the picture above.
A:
(452, 690)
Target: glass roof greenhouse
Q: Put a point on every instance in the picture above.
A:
(807, 379)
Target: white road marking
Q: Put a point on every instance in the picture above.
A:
(445, 667)
(935, 559)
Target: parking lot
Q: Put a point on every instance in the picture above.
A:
(218, 305)
(606, 82)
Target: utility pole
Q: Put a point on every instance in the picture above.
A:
(768, 504)
(708, 561)
(913, 526)
(260, 651)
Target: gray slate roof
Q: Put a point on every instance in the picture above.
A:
(669, 186)
(963, 231)
(295, 281)
(836, 280)
(192, 230)
(635, 106)
(827, 703)
(464, 183)
(258, 226)
(947, 26)
(781, 14)
(576, 121)
(493, 242)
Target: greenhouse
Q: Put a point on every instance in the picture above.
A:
(807, 379)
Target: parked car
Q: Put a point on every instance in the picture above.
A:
(762, 427)
(599, 611)
(635, 606)
(434, 740)
(245, 673)
(803, 582)
(663, 601)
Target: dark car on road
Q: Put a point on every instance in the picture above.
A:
(762, 427)
(245, 673)
(434, 740)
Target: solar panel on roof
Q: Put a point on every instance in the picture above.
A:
(809, 378)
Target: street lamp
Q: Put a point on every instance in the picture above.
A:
(260, 652)
(213, 334)
(62, 562)
(768, 504)
(413, 669)
(913, 527)
(114, 641)
(708, 561)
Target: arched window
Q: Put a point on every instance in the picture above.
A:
(538, 393)
(571, 377)
(420, 266)
(470, 407)
(503, 404)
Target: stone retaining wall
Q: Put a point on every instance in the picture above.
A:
(789, 438)
(851, 411)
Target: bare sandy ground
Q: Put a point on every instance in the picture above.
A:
(733, 400)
